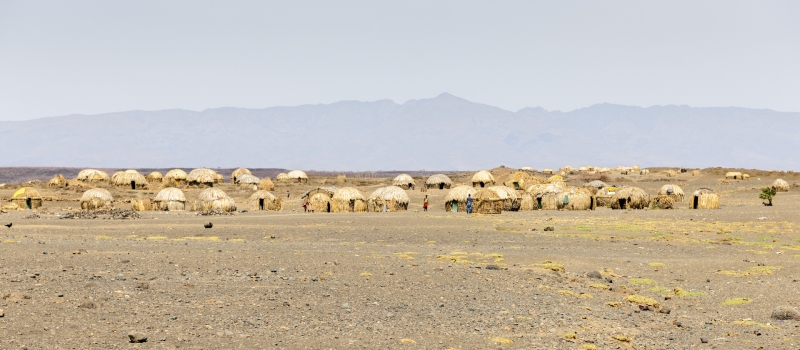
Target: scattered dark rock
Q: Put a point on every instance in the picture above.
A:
(208, 225)
(665, 310)
(493, 267)
(703, 340)
(142, 285)
(594, 274)
(88, 304)
(137, 337)
(549, 228)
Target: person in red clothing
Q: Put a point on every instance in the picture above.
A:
(425, 204)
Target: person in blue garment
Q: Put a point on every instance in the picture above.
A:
(469, 204)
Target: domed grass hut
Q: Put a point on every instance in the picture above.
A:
(511, 201)
(594, 186)
(546, 196)
(780, 185)
(733, 175)
(129, 178)
(520, 180)
(282, 177)
(218, 178)
(404, 181)
(438, 181)
(527, 202)
(263, 200)
(236, 173)
(247, 180)
(745, 177)
(456, 199)
(527, 169)
(154, 177)
(662, 202)
(92, 175)
(348, 200)
(176, 176)
(696, 173)
(630, 197)
(705, 198)
(576, 199)
(644, 172)
(170, 199)
(319, 199)
(58, 181)
(298, 176)
(557, 180)
(215, 199)
(96, 198)
(27, 198)
(671, 173)
(266, 184)
(604, 196)
(672, 191)
(390, 198)
(482, 179)
(201, 177)
(548, 172)
(487, 201)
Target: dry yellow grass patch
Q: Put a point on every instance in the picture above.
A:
(588, 347)
(753, 271)
(570, 336)
(641, 281)
(550, 265)
(209, 238)
(657, 264)
(749, 322)
(622, 338)
(599, 286)
(406, 255)
(365, 274)
(681, 293)
(736, 301)
(642, 300)
(408, 341)
(502, 341)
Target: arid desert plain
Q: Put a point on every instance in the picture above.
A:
(722, 278)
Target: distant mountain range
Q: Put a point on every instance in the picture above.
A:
(445, 132)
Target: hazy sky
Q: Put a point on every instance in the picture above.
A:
(63, 57)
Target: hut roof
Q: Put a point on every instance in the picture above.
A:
(504, 192)
(487, 194)
(780, 183)
(403, 179)
(26, 192)
(297, 174)
(170, 194)
(328, 190)
(247, 179)
(732, 174)
(92, 174)
(483, 176)
(154, 175)
(176, 174)
(99, 193)
(262, 195)
(128, 176)
(702, 191)
(390, 193)
(526, 168)
(348, 193)
(57, 180)
(212, 194)
(266, 184)
(670, 189)
(596, 183)
(282, 176)
(460, 193)
(201, 175)
(555, 178)
(540, 190)
(241, 171)
(438, 179)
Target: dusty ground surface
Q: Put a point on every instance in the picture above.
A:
(412, 279)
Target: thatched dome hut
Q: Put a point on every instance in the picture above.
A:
(644, 172)
(487, 201)
(154, 177)
(170, 199)
(604, 170)
(705, 198)
(576, 199)
(235, 174)
(214, 198)
(92, 175)
(96, 198)
(130, 178)
(520, 180)
(630, 198)
(263, 200)
(438, 181)
(745, 176)
(636, 168)
(780, 185)
(548, 171)
(595, 186)
(404, 181)
(546, 196)
(671, 173)
(248, 180)
(527, 169)
(348, 200)
(266, 184)
(509, 197)
(201, 177)
(58, 181)
(696, 173)
(733, 175)
(177, 176)
(673, 191)
(603, 196)
(320, 202)
(218, 178)
(527, 202)
(557, 180)
(282, 177)
(482, 179)
(27, 198)
(298, 176)
(662, 202)
(456, 198)
(390, 198)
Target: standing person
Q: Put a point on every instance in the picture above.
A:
(425, 204)
(305, 207)
(287, 194)
(469, 204)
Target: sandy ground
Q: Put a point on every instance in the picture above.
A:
(412, 279)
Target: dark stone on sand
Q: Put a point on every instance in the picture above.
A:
(137, 337)
(786, 312)
(594, 274)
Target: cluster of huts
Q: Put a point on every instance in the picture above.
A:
(521, 190)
